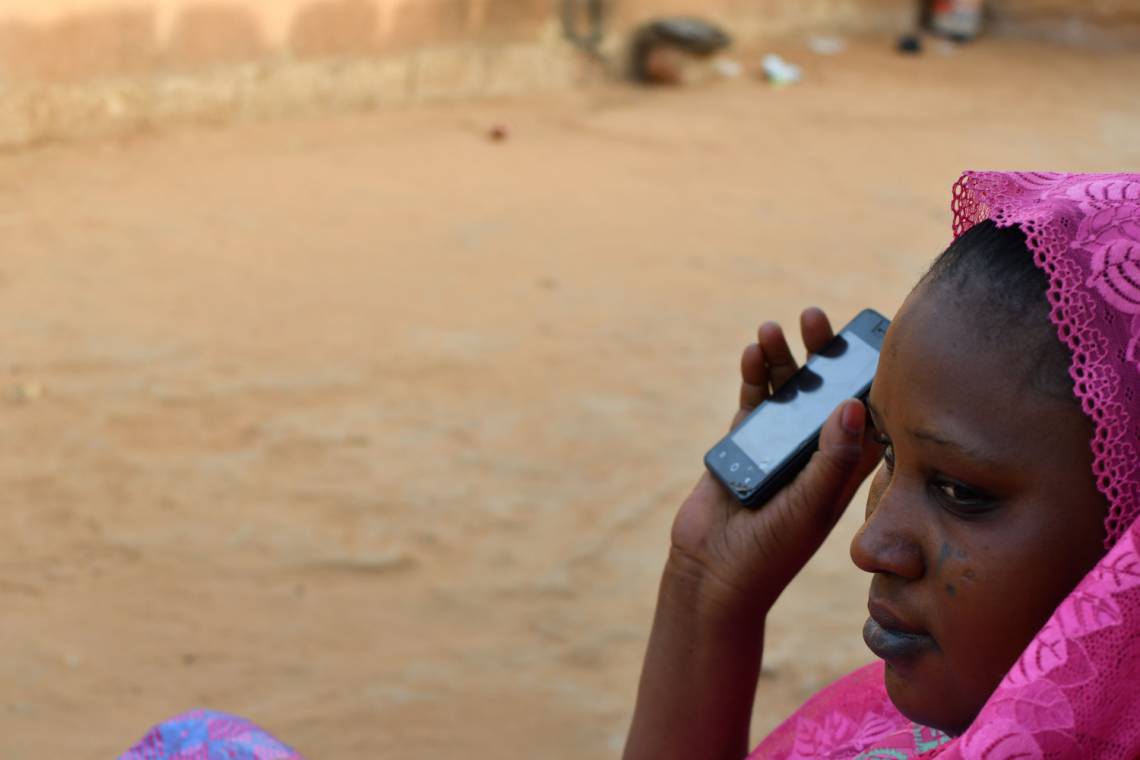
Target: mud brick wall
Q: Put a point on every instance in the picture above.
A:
(1115, 23)
(74, 67)
(69, 40)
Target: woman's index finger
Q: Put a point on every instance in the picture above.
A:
(777, 355)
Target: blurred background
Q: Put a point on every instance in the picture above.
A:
(356, 354)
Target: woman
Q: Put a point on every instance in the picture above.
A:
(1005, 592)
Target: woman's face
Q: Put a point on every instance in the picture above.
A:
(983, 517)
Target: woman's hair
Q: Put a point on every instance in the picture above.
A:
(992, 273)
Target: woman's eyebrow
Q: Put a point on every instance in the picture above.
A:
(970, 452)
(979, 455)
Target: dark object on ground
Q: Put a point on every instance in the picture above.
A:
(499, 133)
(662, 64)
(910, 44)
(659, 45)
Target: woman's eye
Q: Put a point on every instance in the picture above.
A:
(960, 497)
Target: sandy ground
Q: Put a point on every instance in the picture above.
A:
(371, 430)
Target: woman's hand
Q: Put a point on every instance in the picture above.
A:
(727, 566)
(744, 558)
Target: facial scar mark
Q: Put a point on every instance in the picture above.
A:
(943, 555)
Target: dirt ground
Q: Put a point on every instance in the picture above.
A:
(371, 430)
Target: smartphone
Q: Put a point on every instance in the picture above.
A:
(773, 444)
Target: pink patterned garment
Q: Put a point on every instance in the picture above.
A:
(1075, 691)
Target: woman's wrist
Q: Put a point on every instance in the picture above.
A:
(711, 599)
(701, 668)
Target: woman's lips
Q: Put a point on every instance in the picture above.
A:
(891, 639)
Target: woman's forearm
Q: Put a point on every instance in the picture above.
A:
(699, 679)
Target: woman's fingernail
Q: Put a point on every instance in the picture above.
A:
(852, 417)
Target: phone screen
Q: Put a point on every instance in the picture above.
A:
(801, 406)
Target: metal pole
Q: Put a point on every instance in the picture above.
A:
(590, 11)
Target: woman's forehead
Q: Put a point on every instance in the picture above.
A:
(942, 375)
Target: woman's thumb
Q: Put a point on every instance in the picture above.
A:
(828, 482)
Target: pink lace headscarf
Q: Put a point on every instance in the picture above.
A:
(1084, 232)
(1075, 690)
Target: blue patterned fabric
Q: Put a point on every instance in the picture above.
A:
(208, 735)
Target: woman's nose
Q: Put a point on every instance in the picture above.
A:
(889, 541)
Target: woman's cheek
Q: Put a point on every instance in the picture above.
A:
(955, 573)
